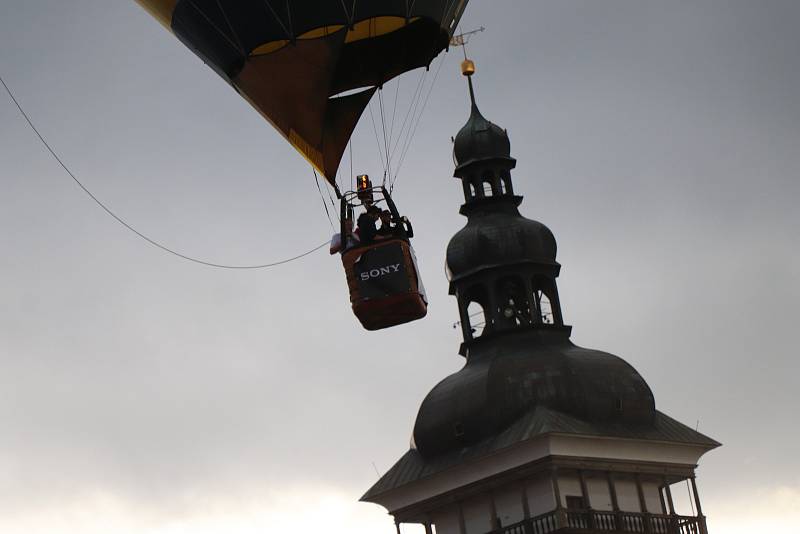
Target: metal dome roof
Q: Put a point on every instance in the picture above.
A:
(480, 140)
(505, 379)
(499, 236)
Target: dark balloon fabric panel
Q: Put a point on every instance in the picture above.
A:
(290, 58)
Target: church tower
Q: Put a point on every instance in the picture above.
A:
(534, 434)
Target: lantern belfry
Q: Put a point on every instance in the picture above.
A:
(534, 434)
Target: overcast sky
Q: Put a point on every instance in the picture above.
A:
(660, 141)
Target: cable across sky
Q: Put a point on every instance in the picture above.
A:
(126, 224)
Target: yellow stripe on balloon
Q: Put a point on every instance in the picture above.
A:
(366, 29)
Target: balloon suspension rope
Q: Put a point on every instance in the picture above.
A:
(128, 226)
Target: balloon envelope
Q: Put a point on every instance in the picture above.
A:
(293, 59)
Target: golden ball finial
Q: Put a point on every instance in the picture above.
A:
(467, 67)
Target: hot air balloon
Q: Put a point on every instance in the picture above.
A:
(310, 67)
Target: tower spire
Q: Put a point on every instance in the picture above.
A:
(502, 266)
(482, 151)
(472, 94)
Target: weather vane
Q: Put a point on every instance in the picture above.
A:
(463, 38)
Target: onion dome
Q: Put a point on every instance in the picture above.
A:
(480, 140)
(503, 382)
(500, 236)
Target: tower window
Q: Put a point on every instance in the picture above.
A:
(544, 308)
(515, 309)
(477, 319)
(507, 188)
(469, 191)
(487, 189)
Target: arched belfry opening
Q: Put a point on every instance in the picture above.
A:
(514, 308)
(475, 321)
(546, 303)
(473, 312)
(534, 434)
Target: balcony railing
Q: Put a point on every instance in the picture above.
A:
(591, 521)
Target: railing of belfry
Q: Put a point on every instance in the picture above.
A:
(605, 521)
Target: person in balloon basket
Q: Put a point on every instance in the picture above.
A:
(351, 239)
(386, 230)
(368, 232)
(402, 230)
(367, 229)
